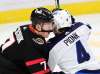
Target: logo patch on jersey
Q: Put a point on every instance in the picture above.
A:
(19, 35)
(71, 39)
(38, 40)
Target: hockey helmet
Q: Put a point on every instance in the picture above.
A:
(62, 18)
(41, 14)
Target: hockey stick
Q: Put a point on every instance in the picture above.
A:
(57, 3)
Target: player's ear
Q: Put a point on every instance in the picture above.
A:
(38, 27)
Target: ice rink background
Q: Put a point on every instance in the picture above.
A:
(92, 19)
(19, 10)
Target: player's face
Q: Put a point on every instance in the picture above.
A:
(46, 28)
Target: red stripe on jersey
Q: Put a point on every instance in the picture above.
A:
(36, 61)
(42, 72)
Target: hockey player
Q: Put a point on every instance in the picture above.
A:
(69, 49)
(24, 49)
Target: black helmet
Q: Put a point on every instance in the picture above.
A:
(41, 14)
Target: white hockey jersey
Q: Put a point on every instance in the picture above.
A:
(71, 52)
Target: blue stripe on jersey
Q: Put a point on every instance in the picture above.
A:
(82, 55)
(88, 72)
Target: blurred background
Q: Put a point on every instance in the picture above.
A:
(14, 13)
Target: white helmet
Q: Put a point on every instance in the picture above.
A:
(62, 18)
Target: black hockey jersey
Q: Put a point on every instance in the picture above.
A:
(25, 49)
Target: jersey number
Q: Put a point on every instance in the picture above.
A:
(82, 55)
